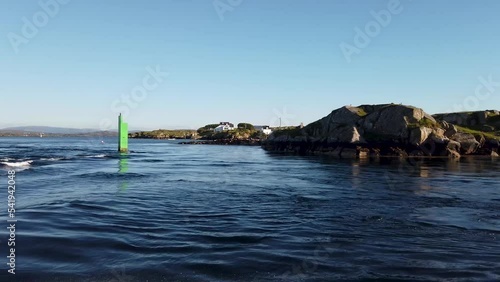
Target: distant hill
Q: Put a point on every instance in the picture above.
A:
(48, 130)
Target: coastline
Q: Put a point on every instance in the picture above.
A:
(392, 130)
(233, 142)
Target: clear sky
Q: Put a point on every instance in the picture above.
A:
(241, 60)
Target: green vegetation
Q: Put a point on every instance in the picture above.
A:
(362, 113)
(164, 134)
(246, 126)
(228, 134)
(428, 123)
(291, 131)
(258, 135)
(413, 125)
(206, 129)
(495, 135)
(243, 131)
(490, 129)
(425, 122)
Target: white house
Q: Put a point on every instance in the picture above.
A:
(224, 126)
(264, 129)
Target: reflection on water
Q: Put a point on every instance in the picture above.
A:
(411, 174)
(356, 170)
(424, 172)
(123, 168)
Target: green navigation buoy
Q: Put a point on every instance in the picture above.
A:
(122, 135)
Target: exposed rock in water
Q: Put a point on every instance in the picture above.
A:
(468, 143)
(419, 135)
(379, 130)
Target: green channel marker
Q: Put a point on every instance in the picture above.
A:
(122, 135)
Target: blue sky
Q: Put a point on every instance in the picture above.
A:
(254, 62)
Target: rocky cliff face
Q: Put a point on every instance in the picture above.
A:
(376, 130)
(467, 118)
(487, 121)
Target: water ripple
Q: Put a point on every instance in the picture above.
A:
(166, 212)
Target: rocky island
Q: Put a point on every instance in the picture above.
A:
(165, 134)
(243, 134)
(392, 130)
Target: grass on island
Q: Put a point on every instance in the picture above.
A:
(291, 131)
(243, 131)
(428, 123)
(494, 135)
(239, 133)
(164, 134)
(362, 113)
(424, 122)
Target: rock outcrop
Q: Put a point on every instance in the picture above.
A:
(465, 118)
(468, 143)
(375, 130)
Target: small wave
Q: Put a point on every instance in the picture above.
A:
(153, 161)
(51, 159)
(96, 156)
(17, 164)
(237, 239)
(111, 175)
(309, 198)
(87, 206)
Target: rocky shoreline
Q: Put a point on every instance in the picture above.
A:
(389, 130)
(245, 142)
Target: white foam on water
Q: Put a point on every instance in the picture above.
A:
(17, 164)
(96, 156)
(51, 159)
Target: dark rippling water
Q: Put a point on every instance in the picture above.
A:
(169, 212)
